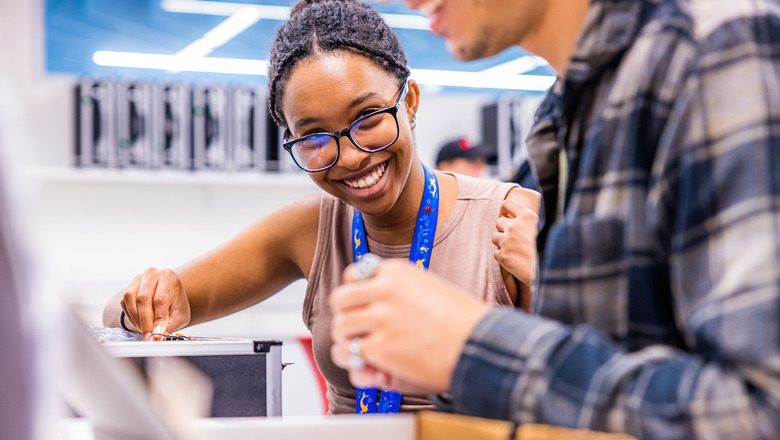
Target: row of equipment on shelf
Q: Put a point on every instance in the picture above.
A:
(173, 125)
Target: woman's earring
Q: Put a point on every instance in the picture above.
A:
(414, 121)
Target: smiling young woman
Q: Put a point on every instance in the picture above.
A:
(338, 83)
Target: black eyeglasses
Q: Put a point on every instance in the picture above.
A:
(370, 133)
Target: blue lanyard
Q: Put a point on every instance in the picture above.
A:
(420, 255)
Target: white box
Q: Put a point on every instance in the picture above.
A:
(246, 374)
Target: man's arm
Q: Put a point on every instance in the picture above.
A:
(718, 191)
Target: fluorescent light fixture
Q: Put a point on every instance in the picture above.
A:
(398, 21)
(537, 83)
(223, 8)
(222, 33)
(518, 65)
(260, 67)
(405, 21)
(180, 63)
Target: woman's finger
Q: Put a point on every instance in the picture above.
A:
(164, 296)
(128, 304)
(143, 300)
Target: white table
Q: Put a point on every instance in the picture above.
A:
(339, 427)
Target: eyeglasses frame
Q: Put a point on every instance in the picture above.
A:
(393, 110)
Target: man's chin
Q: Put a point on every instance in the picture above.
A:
(470, 52)
(460, 52)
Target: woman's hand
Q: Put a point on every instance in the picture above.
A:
(155, 302)
(515, 239)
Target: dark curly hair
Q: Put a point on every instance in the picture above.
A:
(326, 25)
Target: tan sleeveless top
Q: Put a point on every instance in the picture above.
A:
(462, 254)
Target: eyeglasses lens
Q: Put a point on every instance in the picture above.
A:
(375, 132)
(372, 133)
(315, 152)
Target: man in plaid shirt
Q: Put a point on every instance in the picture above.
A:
(658, 290)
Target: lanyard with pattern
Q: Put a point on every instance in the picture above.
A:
(420, 255)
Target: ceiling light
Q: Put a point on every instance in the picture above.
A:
(399, 21)
(538, 83)
(518, 65)
(260, 67)
(180, 63)
(223, 32)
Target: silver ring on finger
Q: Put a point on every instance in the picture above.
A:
(355, 358)
(365, 267)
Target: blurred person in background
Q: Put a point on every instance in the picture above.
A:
(463, 157)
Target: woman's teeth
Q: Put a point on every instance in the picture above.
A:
(367, 180)
(428, 8)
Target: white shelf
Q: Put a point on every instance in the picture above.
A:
(174, 177)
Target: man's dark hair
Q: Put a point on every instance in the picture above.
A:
(317, 26)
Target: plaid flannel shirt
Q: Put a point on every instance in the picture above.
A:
(659, 281)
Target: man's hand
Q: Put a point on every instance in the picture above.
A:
(515, 240)
(412, 326)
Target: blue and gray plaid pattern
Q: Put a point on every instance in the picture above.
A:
(659, 283)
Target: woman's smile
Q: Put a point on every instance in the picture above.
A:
(369, 182)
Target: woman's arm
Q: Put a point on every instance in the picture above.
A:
(270, 254)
